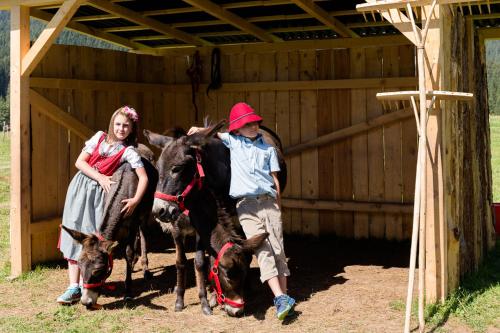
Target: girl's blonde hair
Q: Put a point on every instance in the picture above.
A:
(133, 117)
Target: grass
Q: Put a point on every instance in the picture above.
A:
(495, 155)
(477, 300)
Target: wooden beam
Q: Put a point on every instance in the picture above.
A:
(348, 206)
(58, 115)
(392, 4)
(20, 144)
(48, 35)
(146, 21)
(399, 20)
(7, 4)
(489, 33)
(321, 15)
(350, 131)
(227, 16)
(440, 95)
(294, 45)
(56, 83)
(45, 226)
(96, 33)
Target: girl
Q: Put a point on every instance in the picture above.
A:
(100, 158)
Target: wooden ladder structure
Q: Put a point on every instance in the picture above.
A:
(391, 10)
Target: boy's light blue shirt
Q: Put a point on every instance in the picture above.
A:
(251, 165)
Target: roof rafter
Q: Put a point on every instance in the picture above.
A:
(321, 15)
(132, 16)
(233, 19)
(96, 33)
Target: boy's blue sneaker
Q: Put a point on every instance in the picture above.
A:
(70, 296)
(284, 304)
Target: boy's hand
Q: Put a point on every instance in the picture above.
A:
(194, 130)
(129, 207)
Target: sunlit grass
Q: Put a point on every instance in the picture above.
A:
(495, 155)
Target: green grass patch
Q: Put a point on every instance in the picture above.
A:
(4, 206)
(71, 319)
(477, 301)
(495, 155)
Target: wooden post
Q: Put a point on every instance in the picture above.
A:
(20, 193)
(434, 194)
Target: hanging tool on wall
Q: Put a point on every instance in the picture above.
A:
(215, 74)
(194, 72)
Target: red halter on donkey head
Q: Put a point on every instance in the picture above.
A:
(197, 178)
(196, 181)
(108, 273)
(214, 275)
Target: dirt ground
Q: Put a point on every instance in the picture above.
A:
(339, 285)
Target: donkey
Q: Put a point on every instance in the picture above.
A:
(194, 181)
(117, 234)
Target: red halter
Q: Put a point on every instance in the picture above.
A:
(108, 273)
(197, 181)
(214, 275)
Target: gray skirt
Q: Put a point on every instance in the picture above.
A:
(82, 212)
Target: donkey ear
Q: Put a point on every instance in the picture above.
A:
(77, 235)
(108, 246)
(156, 139)
(254, 242)
(216, 128)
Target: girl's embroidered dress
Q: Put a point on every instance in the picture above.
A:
(85, 197)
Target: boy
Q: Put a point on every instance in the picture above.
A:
(254, 182)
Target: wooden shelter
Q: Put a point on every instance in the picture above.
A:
(312, 69)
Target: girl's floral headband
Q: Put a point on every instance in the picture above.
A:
(131, 113)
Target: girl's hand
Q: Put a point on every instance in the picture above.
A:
(194, 130)
(129, 207)
(105, 182)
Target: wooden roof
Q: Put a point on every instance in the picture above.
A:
(152, 25)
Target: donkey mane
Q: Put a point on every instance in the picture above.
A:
(225, 230)
(110, 218)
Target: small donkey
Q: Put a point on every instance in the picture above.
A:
(117, 234)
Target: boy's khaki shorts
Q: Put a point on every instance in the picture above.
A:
(258, 215)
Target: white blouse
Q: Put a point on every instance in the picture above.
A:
(130, 155)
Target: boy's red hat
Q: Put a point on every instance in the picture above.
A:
(241, 114)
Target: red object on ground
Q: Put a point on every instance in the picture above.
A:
(496, 211)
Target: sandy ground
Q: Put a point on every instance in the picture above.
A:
(340, 286)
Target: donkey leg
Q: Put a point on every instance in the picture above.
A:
(144, 253)
(129, 254)
(199, 263)
(180, 265)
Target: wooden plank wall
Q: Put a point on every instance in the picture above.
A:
(374, 166)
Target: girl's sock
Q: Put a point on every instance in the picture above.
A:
(73, 285)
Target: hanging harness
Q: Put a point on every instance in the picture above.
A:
(108, 273)
(180, 198)
(215, 74)
(214, 276)
(195, 72)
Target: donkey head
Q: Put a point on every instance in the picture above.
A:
(95, 263)
(231, 273)
(178, 171)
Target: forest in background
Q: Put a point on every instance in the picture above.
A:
(73, 38)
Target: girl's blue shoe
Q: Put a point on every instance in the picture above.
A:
(70, 296)
(284, 304)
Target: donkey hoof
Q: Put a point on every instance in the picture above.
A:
(179, 307)
(206, 310)
(147, 275)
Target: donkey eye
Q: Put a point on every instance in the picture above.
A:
(176, 169)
